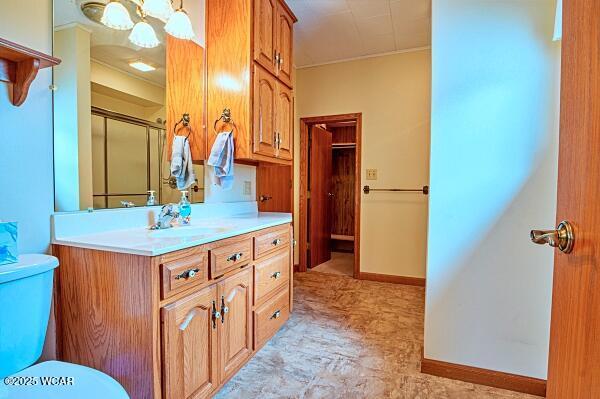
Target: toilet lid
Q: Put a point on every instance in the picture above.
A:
(60, 380)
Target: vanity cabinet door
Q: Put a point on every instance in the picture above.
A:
(284, 113)
(265, 13)
(235, 330)
(265, 93)
(285, 42)
(189, 335)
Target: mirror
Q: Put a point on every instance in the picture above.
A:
(114, 115)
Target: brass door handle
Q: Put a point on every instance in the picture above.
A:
(561, 238)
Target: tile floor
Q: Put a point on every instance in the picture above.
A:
(349, 339)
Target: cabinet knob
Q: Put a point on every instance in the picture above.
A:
(276, 242)
(276, 275)
(276, 314)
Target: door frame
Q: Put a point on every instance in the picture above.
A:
(305, 124)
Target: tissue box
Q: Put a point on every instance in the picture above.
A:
(8, 243)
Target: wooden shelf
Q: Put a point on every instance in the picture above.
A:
(19, 66)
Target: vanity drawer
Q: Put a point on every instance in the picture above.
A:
(230, 256)
(271, 241)
(269, 317)
(270, 274)
(180, 274)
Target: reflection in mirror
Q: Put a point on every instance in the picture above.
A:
(110, 108)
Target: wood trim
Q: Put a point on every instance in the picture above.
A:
(388, 278)
(303, 205)
(475, 375)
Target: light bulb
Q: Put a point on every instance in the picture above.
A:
(116, 16)
(161, 9)
(143, 35)
(180, 26)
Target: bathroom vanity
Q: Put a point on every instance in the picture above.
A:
(171, 313)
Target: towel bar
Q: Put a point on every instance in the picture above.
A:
(424, 190)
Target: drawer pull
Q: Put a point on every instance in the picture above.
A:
(276, 242)
(276, 275)
(187, 274)
(235, 257)
(275, 315)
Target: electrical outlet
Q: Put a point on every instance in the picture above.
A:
(247, 188)
(371, 174)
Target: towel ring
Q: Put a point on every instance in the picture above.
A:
(185, 121)
(226, 118)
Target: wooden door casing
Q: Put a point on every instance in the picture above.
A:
(189, 346)
(285, 42)
(320, 200)
(265, 23)
(265, 98)
(284, 114)
(235, 326)
(573, 370)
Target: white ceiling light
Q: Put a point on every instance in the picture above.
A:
(143, 35)
(116, 16)
(179, 25)
(141, 66)
(161, 9)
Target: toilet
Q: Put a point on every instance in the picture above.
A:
(25, 297)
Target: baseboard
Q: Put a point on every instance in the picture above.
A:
(296, 268)
(497, 379)
(388, 278)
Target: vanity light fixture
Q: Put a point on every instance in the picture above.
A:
(179, 24)
(161, 9)
(116, 16)
(141, 66)
(143, 35)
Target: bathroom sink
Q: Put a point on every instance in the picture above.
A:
(186, 231)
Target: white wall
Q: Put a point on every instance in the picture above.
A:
(494, 137)
(26, 167)
(393, 94)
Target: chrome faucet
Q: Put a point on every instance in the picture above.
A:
(168, 213)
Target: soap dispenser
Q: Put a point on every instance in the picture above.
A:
(185, 209)
(151, 199)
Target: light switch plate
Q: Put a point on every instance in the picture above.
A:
(247, 188)
(371, 174)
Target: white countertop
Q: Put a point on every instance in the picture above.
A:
(142, 241)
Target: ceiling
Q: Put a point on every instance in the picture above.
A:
(335, 30)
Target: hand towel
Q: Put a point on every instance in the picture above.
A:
(181, 163)
(221, 158)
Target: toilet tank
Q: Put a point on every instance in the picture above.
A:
(25, 297)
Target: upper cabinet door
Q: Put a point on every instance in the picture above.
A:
(284, 112)
(265, 93)
(189, 336)
(285, 42)
(265, 12)
(235, 330)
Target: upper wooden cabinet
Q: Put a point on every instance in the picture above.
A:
(249, 50)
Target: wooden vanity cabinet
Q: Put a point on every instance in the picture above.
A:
(178, 325)
(249, 71)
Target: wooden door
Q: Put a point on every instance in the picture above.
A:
(265, 94)
(265, 17)
(574, 361)
(319, 203)
(235, 330)
(274, 187)
(285, 41)
(189, 337)
(284, 116)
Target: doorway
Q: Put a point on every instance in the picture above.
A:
(330, 194)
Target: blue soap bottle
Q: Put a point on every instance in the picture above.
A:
(185, 209)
